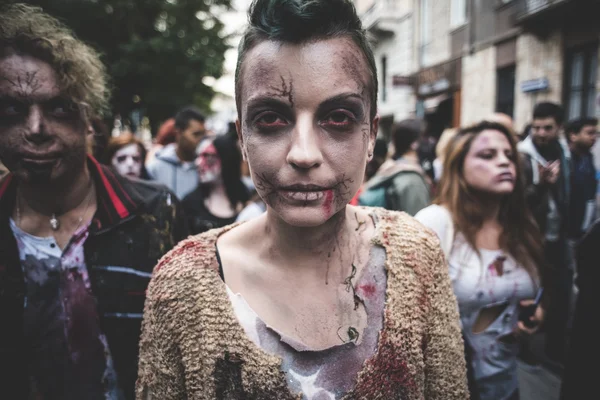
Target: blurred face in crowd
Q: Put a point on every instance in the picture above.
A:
(189, 139)
(208, 163)
(305, 126)
(128, 161)
(585, 138)
(544, 131)
(42, 133)
(489, 165)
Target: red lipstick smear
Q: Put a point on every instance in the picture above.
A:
(328, 204)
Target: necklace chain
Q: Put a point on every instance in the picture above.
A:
(54, 222)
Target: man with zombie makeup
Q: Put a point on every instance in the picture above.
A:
(314, 299)
(546, 166)
(173, 165)
(77, 241)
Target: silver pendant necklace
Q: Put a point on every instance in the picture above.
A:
(54, 222)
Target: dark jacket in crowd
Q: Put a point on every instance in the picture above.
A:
(538, 194)
(582, 206)
(581, 371)
(135, 224)
(198, 217)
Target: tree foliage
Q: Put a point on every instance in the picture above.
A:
(157, 51)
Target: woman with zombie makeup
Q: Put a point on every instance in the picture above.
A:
(494, 252)
(221, 193)
(126, 154)
(314, 299)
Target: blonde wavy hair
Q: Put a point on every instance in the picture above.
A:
(28, 30)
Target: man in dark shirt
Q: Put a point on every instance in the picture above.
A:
(77, 241)
(581, 134)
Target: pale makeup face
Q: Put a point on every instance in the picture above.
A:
(208, 163)
(305, 126)
(489, 166)
(128, 161)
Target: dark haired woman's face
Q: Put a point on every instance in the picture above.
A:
(128, 161)
(305, 126)
(489, 165)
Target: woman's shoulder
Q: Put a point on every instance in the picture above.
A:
(433, 212)
(193, 257)
(399, 231)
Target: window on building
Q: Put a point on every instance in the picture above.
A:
(384, 78)
(505, 90)
(458, 12)
(581, 75)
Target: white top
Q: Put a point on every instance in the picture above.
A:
(490, 278)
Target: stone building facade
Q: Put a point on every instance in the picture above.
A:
(458, 61)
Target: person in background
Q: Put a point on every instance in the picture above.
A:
(126, 154)
(580, 377)
(546, 166)
(581, 134)
(166, 135)
(173, 165)
(494, 251)
(78, 242)
(380, 154)
(315, 298)
(440, 152)
(400, 184)
(221, 193)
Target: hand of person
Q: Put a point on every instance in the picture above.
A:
(537, 318)
(550, 173)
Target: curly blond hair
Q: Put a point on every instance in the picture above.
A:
(28, 30)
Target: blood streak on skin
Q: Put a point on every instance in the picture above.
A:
(328, 204)
(368, 289)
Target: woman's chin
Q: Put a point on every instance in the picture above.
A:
(303, 217)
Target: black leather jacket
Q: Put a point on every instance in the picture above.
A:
(135, 224)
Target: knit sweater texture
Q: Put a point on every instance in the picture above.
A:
(193, 347)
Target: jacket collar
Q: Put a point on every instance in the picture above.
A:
(117, 200)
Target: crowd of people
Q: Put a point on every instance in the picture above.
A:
(298, 254)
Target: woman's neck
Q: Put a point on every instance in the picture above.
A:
(333, 239)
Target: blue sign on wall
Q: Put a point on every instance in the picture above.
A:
(535, 85)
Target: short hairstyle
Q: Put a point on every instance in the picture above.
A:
(302, 21)
(404, 134)
(184, 116)
(549, 110)
(576, 125)
(27, 30)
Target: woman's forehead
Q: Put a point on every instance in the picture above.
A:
(324, 65)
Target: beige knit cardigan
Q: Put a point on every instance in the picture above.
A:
(193, 347)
